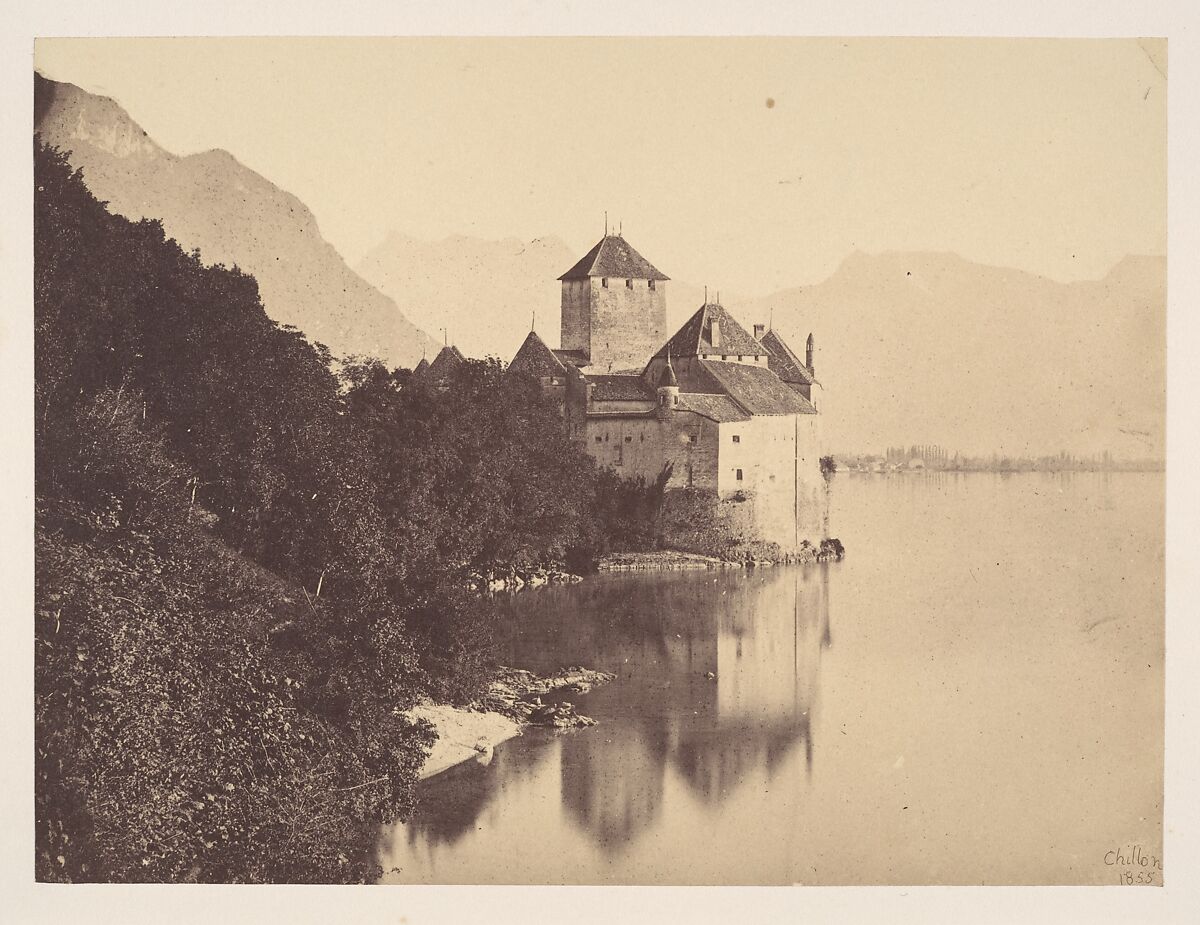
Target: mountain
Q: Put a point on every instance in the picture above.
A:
(911, 347)
(211, 202)
(483, 293)
(932, 348)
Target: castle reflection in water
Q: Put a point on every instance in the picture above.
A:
(717, 684)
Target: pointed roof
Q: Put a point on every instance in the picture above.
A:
(695, 337)
(783, 362)
(536, 359)
(614, 257)
(448, 359)
(421, 367)
(668, 378)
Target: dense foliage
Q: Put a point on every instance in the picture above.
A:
(249, 566)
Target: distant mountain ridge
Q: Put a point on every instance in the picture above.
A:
(933, 348)
(234, 216)
(911, 347)
(483, 294)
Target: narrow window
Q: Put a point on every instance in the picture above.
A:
(651, 284)
(737, 438)
(628, 284)
(739, 474)
(629, 439)
(642, 438)
(604, 282)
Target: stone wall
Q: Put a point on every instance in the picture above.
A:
(576, 326)
(640, 446)
(617, 325)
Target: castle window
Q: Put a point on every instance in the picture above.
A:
(739, 474)
(691, 438)
(628, 284)
(604, 282)
(629, 439)
(737, 438)
(651, 284)
(598, 438)
(642, 438)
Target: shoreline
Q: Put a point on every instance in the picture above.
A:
(514, 701)
(830, 550)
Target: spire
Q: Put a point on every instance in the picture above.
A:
(668, 380)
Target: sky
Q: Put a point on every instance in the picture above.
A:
(749, 164)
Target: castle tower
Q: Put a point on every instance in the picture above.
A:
(808, 356)
(614, 307)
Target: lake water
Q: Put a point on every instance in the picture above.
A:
(974, 695)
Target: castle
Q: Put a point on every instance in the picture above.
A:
(731, 414)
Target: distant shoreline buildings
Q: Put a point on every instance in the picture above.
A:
(934, 458)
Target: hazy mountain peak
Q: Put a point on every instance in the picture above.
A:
(234, 216)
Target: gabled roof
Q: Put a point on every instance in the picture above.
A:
(757, 389)
(614, 257)
(574, 357)
(621, 388)
(695, 337)
(421, 367)
(783, 362)
(536, 359)
(448, 359)
(719, 408)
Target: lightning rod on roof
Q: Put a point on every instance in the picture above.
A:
(606, 223)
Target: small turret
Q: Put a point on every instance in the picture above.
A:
(668, 391)
(808, 355)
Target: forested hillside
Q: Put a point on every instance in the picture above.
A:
(247, 568)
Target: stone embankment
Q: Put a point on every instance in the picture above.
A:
(516, 698)
(661, 560)
(755, 556)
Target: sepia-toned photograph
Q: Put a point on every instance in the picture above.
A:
(728, 461)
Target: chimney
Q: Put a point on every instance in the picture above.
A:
(759, 330)
(715, 334)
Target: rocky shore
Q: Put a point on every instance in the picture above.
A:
(756, 556)
(515, 699)
(517, 579)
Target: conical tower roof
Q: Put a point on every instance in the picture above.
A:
(536, 359)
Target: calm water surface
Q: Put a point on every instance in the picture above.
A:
(975, 695)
